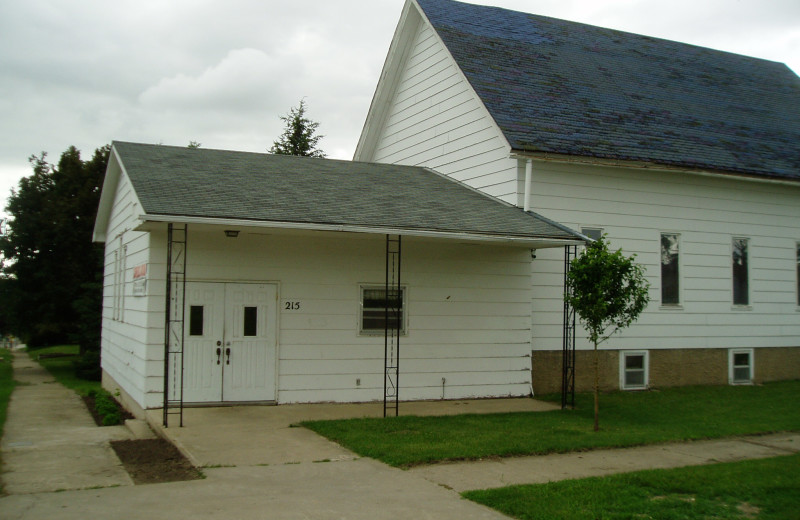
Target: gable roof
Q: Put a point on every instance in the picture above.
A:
(180, 184)
(560, 87)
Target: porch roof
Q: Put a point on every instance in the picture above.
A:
(180, 184)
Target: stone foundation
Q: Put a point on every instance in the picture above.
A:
(674, 367)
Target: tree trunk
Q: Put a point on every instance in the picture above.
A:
(596, 389)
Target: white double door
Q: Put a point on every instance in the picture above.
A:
(229, 342)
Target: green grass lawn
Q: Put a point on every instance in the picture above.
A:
(6, 384)
(626, 419)
(62, 367)
(767, 489)
(6, 387)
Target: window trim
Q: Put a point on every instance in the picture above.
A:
(623, 354)
(375, 332)
(679, 303)
(748, 305)
(731, 367)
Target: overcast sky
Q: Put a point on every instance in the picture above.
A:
(86, 72)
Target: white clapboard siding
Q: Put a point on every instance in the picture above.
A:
(435, 119)
(634, 206)
(468, 312)
(126, 319)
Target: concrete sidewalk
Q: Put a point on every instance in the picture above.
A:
(50, 441)
(264, 468)
(485, 474)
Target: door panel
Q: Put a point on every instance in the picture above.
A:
(241, 317)
(250, 334)
(202, 373)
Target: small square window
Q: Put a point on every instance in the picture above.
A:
(593, 233)
(250, 321)
(634, 370)
(740, 366)
(374, 302)
(196, 320)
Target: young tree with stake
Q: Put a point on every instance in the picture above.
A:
(608, 292)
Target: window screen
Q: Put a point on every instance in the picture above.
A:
(741, 367)
(374, 302)
(634, 371)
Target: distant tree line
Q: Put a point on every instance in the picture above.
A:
(51, 272)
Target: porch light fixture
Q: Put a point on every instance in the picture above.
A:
(231, 233)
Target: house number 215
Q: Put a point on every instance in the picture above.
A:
(291, 306)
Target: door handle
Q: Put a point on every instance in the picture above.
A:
(219, 344)
(228, 356)
(219, 352)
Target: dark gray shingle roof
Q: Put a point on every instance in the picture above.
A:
(177, 181)
(555, 86)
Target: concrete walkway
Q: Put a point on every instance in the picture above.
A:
(259, 466)
(50, 441)
(465, 476)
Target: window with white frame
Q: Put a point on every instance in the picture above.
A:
(670, 269)
(374, 302)
(115, 287)
(740, 366)
(741, 279)
(798, 273)
(593, 233)
(634, 370)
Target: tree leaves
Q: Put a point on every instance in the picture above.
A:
(49, 260)
(607, 290)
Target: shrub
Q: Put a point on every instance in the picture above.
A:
(107, 408)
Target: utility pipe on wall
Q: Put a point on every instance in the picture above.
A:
(526, 203)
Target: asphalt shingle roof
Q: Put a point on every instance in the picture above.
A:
(555, 86)
(179, 181)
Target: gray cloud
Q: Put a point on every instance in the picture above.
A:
(85, 73)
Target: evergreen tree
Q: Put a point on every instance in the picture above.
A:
(298, 137)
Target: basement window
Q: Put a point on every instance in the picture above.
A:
(740, 366)
(374, 300)
(633, 370)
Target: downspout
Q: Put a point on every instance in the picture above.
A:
(526, 203)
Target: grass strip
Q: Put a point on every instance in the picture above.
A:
(63, 369)
(626, 419)
(767, 489)
(7, 385)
